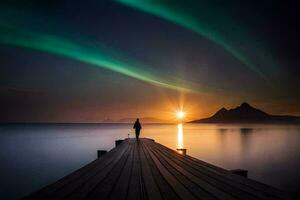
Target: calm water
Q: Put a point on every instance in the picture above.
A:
(34, 155)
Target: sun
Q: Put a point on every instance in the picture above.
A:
(180, 114)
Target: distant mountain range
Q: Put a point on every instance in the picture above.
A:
(132, 120)
(245, 113)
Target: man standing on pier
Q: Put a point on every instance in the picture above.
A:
(137, 126)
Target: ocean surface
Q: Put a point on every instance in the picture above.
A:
(32, 156)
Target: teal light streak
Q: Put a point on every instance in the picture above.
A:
(59, 46)
(169, 11)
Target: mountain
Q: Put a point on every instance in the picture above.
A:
(245, 113)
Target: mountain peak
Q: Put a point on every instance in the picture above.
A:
(223, 109)
(221, 112)
(245, 104)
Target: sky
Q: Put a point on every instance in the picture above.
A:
(88, 61)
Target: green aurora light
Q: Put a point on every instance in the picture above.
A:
(95, 57)
(209, 22)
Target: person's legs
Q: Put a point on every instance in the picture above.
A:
(136, 134)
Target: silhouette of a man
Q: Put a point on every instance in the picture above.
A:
(137, 126)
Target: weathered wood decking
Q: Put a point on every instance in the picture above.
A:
(149, 170)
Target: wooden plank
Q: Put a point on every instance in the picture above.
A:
(86, 183)
(214, 187)
(229, 178)
(104, 188)
(219, 182)
(88, 186)
(194, 188)
(179, 189)
(73, 180)
(135, 183)
(209, 190)
(165, 189)
(242, 181)
(151, 188)
(120, 189)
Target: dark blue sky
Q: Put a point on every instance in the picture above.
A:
(36, 85)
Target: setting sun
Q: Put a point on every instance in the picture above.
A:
(180, 114)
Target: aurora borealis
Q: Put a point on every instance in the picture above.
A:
(218, 28)
(95, 60)
(70, 50)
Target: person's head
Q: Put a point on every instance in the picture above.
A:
(137, 119)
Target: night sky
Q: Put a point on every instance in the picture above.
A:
(86, 61)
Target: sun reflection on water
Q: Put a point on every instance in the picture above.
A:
(180, 136)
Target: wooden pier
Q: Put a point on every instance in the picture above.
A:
(149, 170)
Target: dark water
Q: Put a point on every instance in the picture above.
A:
(32, 156)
